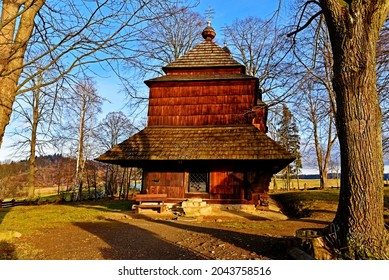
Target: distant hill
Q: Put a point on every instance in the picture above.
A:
(52, 170)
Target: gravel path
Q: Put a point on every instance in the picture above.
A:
(233, 235)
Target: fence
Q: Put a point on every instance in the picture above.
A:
(11, 203)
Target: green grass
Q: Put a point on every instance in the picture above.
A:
(298, 204)
(312, 195)
(31, 219)
(26, 219)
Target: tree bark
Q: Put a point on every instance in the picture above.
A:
(354, 29)
(36, 103)
(319, 153)
(80, 151)
(16, 26)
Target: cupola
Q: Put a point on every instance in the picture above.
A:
(208, 32)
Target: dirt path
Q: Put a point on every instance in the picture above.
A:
(230, 235)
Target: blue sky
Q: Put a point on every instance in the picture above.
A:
(224, 13)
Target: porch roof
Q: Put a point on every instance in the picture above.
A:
(240, 142)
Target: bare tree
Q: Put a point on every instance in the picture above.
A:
(262, 47)
(68, 35)
(35, 112)
(81, 106)
(114, 128)
(31, 110)
(316, 100)
(161, 41)
(354, 28)
(313, 107)
(165, 39)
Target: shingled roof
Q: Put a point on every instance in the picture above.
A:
(205, 54)
(157, 145)
(243, 142)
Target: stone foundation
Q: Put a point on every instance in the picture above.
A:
(195, 207)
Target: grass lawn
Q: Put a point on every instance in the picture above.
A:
(298, 203)
(25, 220)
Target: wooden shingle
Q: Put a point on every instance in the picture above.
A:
(202, 110)
(205, 55)
(242, 142)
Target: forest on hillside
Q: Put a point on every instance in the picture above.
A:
(57, 171)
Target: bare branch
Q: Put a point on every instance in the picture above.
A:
(305, 25)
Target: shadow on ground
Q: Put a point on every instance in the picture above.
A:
(129, 242)
(3, 213)
(7, 250)
(269, 247)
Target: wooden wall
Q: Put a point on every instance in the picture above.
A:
(227, 185)
(171, 183)
(201, 103)
(222, 184)
(258, 182)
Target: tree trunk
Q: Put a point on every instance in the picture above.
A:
(354, 28)
(32, 170)
(323, 179)
(80, 153)
(7, 98)
(15, 32)
(330, 142)
(36, 100)
(319, 154)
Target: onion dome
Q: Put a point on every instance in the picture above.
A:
(208, 32)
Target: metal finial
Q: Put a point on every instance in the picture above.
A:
(209, 13)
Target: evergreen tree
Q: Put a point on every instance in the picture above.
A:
(289, 138)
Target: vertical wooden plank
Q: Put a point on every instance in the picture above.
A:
(201, 103)
(186, 186)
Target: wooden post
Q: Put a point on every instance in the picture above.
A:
(1, 203)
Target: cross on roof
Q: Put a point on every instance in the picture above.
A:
(209, 13)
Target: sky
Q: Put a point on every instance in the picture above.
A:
(224, 13)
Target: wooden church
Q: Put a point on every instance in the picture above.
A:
(206, 132)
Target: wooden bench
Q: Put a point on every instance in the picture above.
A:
(151, 201)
